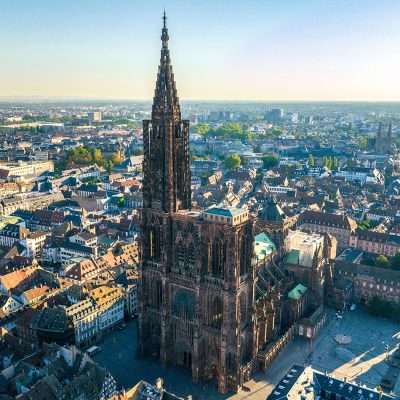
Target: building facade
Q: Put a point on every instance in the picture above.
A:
(375, 242)
(84, 316)
(369, 282)
(109, 302)
(339, 226)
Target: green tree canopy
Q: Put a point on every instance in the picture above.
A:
(108, 165)
(233, 161)
(83, 156)
(117, 158)
(231, 130)
(121, 202)
(362, 142)
(201, 129)
(395, 262)
(382, 262)
(97, 156)
(384, 308)
(364, 224)
(270, 161)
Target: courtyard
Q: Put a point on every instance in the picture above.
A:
(361, 361)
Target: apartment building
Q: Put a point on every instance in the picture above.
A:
(110, 305)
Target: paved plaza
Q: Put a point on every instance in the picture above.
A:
(362, 361)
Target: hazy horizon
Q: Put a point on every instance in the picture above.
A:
(8, 99)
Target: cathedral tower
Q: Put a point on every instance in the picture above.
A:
(167, 179)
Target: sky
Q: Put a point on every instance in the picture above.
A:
(300, 50)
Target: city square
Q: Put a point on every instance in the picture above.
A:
(366, 365)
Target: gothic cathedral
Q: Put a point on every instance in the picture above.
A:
(196, 277)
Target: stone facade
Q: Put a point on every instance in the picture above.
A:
(339, 226)
(369, 282)
(375, 242)
(196, 277)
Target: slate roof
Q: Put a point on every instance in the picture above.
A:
(379, 237)
(283, 388)
(327, 219)
(272, 212)
(300, 380)
(345, 389)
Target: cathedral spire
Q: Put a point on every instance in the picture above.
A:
(164, 35)
(166, 167)
(166, 99)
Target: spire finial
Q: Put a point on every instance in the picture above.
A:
(164, 35)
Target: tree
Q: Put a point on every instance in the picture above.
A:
(395, 261)
(233, 161)
(121, 202)
(231, 130)
(335, 163)
(382, 262)
(97, 156)
(108, 166)
(328, 163)
(80, 156)
(383, 308)
(270, 161)
(362, 142)
(117, 158)
(275, 131)
(364, 224)
(201, 129)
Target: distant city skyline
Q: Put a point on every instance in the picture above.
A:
(253, 50)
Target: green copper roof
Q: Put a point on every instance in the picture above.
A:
(297, 292)
(292, 257)
(225, 212)
(263, 246)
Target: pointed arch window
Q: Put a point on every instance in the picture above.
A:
(180, 254)
(244, 267)
(215, 313)
(217, 258)
(154, 244)
(191, 255)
